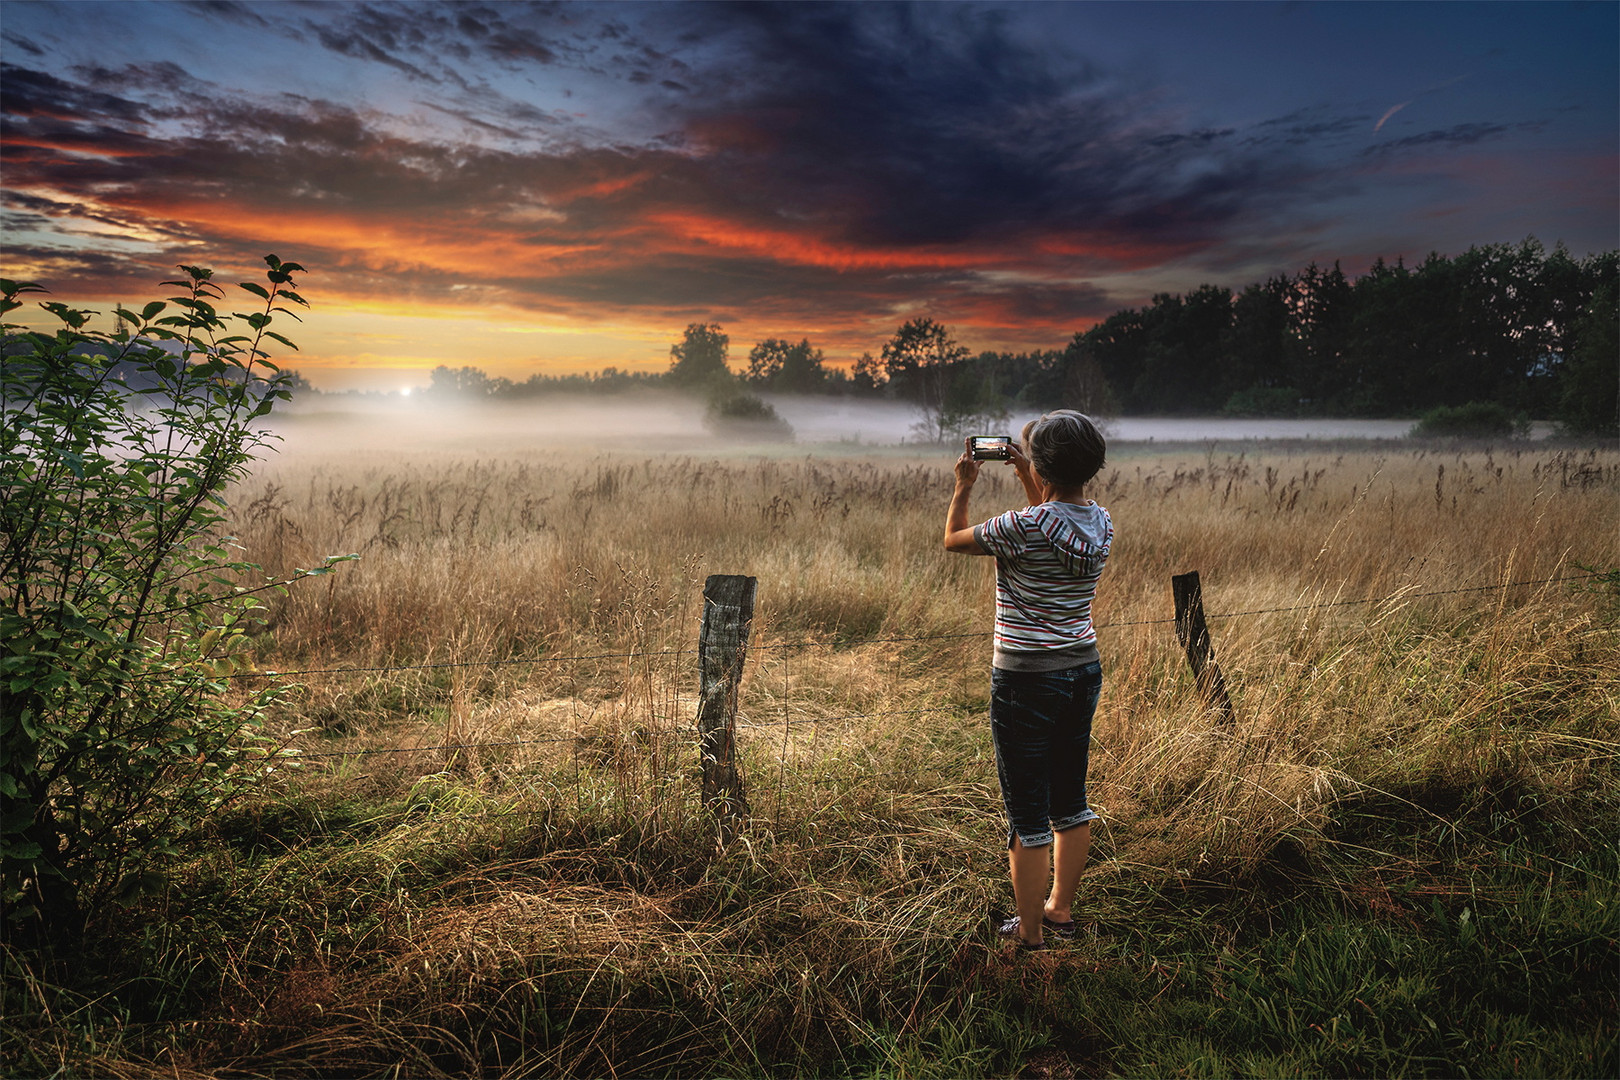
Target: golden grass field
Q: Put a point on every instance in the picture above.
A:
(468, 557)
(494, 861)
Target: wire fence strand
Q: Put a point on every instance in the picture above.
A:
(851, 642)
(303, 755)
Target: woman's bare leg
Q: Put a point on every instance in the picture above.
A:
(1070, 850)
(1031, 871)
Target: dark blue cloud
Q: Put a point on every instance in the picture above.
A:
(229, 11)
(24, 44)
(1307, 127)
(927, 125)
(27, 92)
(1457, 135)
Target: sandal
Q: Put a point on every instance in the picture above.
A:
(1061, 929)
(1008, 928)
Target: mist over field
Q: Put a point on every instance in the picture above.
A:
(673, 423)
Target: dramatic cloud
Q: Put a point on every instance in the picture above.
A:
(1459, 135)
(788, 167)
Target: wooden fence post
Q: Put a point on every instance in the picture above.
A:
(1194, 635)
(728, 609)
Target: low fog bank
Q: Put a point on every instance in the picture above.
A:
(661, 422)
(816, 420)
(643, 422)
(675, 423)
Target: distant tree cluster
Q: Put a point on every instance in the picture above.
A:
(473, 383)
(1513, 325)
(779, 366)
(1529, 331)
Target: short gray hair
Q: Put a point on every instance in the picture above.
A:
(1065, 447)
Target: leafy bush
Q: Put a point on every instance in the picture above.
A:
(121, 611)
(1475, 420)
(738, 413)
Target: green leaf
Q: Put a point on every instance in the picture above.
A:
(255, 288)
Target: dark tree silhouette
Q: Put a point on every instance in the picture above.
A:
(700, 357)
(774, 364)
(919, 361)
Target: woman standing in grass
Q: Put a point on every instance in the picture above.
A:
(1047, 675)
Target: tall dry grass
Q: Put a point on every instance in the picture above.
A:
(541, 551)
(1341, 703)
(493, 860)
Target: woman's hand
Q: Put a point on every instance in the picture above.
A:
(967, 467)
(958, 533)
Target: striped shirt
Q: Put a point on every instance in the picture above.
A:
(1048, 560)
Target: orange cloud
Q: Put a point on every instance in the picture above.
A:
(75, 147)
(382, 242)
(1118, 251)
(794, 247)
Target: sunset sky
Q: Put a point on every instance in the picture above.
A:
(563, 187)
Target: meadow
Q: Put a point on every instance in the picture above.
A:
(490, 857)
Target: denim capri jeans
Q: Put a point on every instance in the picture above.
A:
(1041, 724)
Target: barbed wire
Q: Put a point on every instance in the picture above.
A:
(1400, 596)
(302, 755)
(845, 716)
(811, 644)
(850, 642)
(276, 673)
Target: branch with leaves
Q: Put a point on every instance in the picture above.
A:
(122, 606)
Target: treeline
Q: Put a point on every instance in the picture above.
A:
(1513, 325)
(1510, 324)
(470, 382)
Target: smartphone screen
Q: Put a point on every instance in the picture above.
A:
(991, 447)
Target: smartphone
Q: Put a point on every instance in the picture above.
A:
(992, 447)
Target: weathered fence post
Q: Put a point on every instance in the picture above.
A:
(1194, 635)
(728, 609)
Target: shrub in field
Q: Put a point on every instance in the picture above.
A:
(734, 411)
(1475, 420)
(120, 611)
